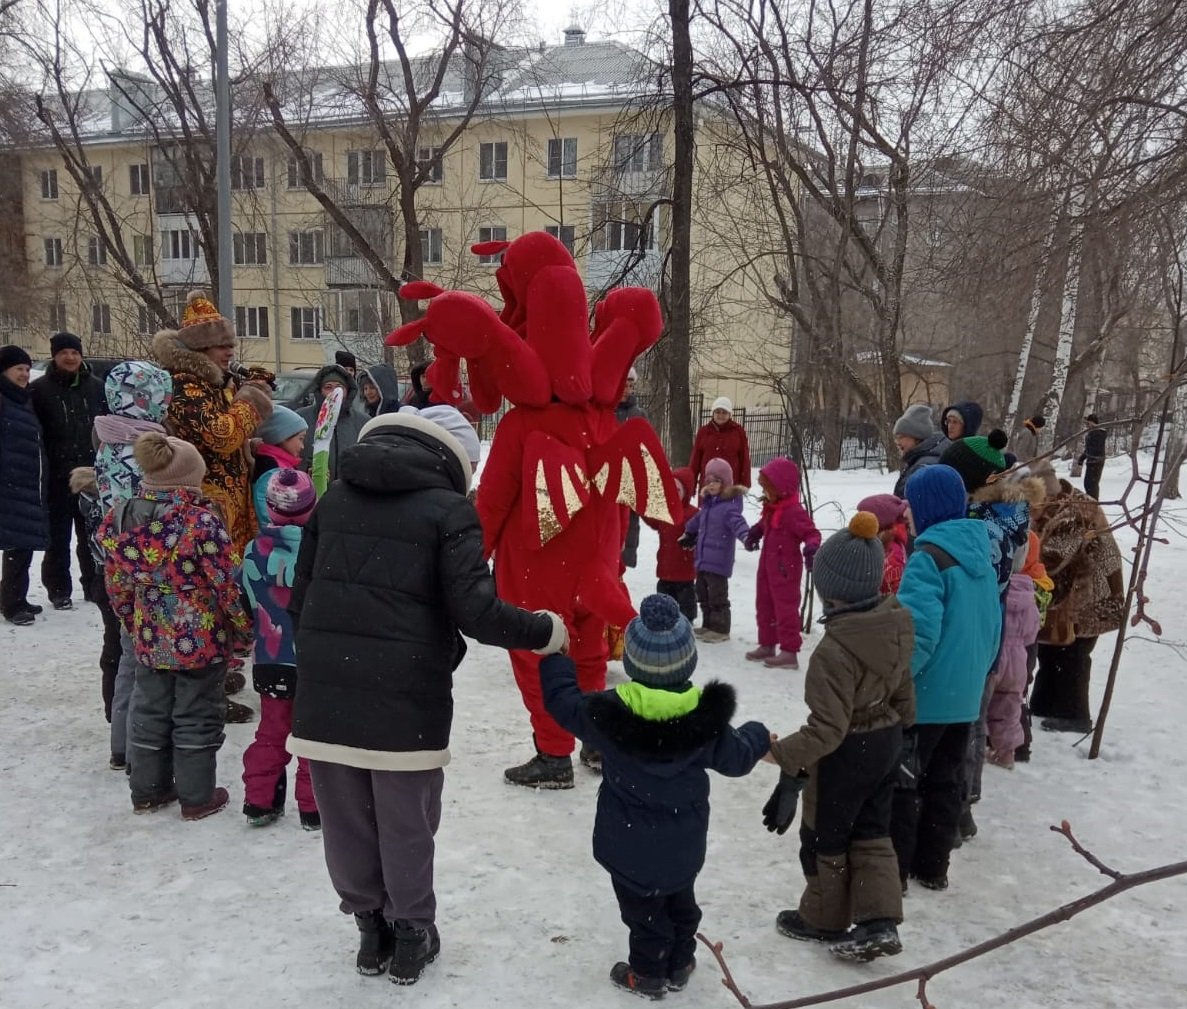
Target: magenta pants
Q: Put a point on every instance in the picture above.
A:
(266, 758)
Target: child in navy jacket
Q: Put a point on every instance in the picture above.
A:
(658, 736)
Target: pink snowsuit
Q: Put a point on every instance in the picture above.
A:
(1009, 676)
(785, 529)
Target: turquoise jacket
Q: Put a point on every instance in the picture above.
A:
(957, 615)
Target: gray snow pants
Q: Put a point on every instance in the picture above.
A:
(176, 731)
(121, 700)
(377, 828)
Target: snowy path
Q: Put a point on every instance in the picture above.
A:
(104, 909)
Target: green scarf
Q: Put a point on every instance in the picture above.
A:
(654, 705)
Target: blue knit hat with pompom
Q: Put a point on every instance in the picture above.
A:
(659, 649)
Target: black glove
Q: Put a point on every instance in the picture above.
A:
(908, 763)
(686, 542)
(780, 809)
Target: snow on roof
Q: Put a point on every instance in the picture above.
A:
(872, 356)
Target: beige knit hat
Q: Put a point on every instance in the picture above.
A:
(168, 462)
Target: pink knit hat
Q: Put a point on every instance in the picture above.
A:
(719, 469)
(886, 508)
(290, 497)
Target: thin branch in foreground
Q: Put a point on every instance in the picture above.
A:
(1121, 883)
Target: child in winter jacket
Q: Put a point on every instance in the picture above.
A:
(860, 696)
(675, 565)
(891, 513)
(1008, 683)
(138, 396)
(170, 578)
(282, 442)
(787, 533)
(950, 589)
(1044, 591)
(267, 579)
(715, 530)
(658, 736)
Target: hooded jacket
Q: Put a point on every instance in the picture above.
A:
(23, 522)
(785, 527)
(390, 573)
(1019, 630)
(138, 396)
(858, 680)
(972, 414)
(728, 442)
(674, 563)
(67, 405)
(718, 526)
(926, 453)
(955, 606)
(383, 377)
(350, 420)
(652, 819)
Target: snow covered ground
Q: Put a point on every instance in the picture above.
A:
(100, 908)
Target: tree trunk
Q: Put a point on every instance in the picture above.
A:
(679, 328)
(1067, 326)
(1178, 437)
(831, 427)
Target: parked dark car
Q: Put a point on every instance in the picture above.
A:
(295, 389)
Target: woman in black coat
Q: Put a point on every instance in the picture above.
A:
(23, 524)
(389, 575)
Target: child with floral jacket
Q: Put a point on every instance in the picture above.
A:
(170, 578)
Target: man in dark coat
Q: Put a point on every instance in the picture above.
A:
(67, 399)
(1093, 456)
(23, 527)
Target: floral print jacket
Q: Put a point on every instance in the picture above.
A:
(170, 571)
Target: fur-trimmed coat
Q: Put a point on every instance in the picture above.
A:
(652, 821)
(1004, 506)
(1082, 558)
(718, 527)
(205, 412)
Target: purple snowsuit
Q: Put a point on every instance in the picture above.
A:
(718, 526)
(1021, 628)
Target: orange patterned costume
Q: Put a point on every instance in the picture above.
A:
(560, 466)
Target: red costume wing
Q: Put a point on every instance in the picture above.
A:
(555, 487)
(632, 469)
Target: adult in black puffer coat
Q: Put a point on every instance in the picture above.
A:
(390, 571)
(23, 526)
(67, 399)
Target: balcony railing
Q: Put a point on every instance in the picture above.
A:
(357, 194)
(350, 271)
(621, 267)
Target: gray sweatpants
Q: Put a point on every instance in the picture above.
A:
(121, 701)
(176, 731)
(378, 828)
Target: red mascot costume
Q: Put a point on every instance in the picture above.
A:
(560, 466)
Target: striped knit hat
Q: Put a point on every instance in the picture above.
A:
(290, 497)
(660, 649)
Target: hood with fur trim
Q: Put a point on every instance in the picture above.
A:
(1029, 489)
(177, 359)
(668, 740)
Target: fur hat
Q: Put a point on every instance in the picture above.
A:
(719, 469)
(11, 355)
(64, 341)
(916, 422)
(847, 568)
(886, 508)
(722, 403)
(290, 497)
(281, 426)
(935, 494)
(659, 648)
(168, 462)
(201, 325)
(977, 459)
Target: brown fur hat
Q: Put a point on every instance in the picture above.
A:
(201, 325)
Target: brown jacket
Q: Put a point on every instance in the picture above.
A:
(858, 680)
(1082, 559)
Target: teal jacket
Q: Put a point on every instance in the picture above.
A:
(957, 614)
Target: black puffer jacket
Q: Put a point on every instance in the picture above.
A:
(390, 570)
(67, 406)
(23, 523)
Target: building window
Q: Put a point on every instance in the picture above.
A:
(305, 248)
(251, 322)
(430, 245)
(53, 252)
(49, 184)
(428, 161)
(492, 161)
(139, 181)
(562, 158)
(146, 322)
(96, 252)
(563, 232)
(366, 168)
(57, 316)
(247, 172)
(179, 244)
(306, 323)
(94, 173)
(492, 234)
(638, 152)
(142, 252)
(101, 318)
(250, 248)
(297, 171)
(618, 225)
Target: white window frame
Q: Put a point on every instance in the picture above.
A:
(424, 156)
(366, 168)
(139, 180)
(251, 322)
(145, 321)
(249, 248)
(53, 252)
(638, 152)
(492, 233)
(562, 158)
(96, 251)
(95, 174)
(57, 316)
(296, 179)
(491, 157)
(307, 248)
(142, 250)
(432, 241)
(247, 173)
(49, 184)
(179, 245)
(100, 318)
(302, 318)
(612, 223)
(561, 232)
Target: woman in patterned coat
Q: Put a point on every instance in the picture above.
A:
(210, 413)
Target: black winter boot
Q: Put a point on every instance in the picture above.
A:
(591, 758)
(792, 925)
(376, 942)
(645, 987)
(678, 977)
(542, 771)
(416, 948)
(869, 940)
